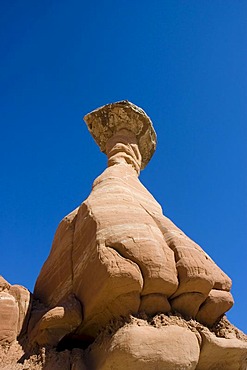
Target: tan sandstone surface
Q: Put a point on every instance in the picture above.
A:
(123, 287)
(15, 303)
(120, 346)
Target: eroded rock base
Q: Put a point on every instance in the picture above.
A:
(162, 342)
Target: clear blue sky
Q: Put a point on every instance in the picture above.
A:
(183, 62)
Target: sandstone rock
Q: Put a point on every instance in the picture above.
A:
(117, 249)
(218, 301)
(23, 299)
(222, 347)
(222, 353)
(117, 256)
(57, 271)
(188, 303)
(15, 303)
(144, 348)
(57, 322)
(197, 272)
(8, 318)
(152, 304)
(103, 123)
(4, 285)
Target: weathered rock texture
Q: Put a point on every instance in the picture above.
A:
(56, 323)
(168, 342)
(144, 347)
(14, 308)
(117, 256)
(117, 252)
(131, 341)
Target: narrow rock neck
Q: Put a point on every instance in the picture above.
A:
(122, 148)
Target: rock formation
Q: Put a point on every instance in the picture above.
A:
(14, 310)
(122, 282)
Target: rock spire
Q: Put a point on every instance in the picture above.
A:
(122, 282)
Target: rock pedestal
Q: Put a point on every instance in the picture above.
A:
(117, 258)
(123, 256)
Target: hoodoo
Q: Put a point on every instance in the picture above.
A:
(122, 283)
